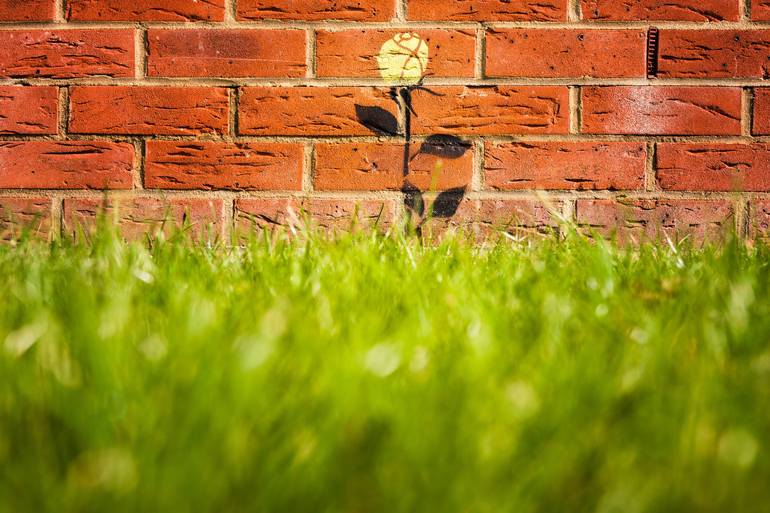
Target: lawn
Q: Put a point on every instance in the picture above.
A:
(375, 374)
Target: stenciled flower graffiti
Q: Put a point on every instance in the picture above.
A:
(403, 64)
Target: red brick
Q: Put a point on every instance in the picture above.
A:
(565, 165)
(378, 166)
(488, 217)
(28, 213)
(714, 167)
(488, 10)
(511, 215)
(65, 165)
(66, 53)
(760, 10)
(492, 110)
(761, 112)
(28, 110)
(352, 53)
(26, 10)
(714, 54)
(759, 219)
(312, 110)
(561, 53)
(314, 10)
(226, 53)
(641, 219)
(662, 110)
(145, 10)
(252, 214)
(674, 10)
(148, 110)
(222, 165)
(137, 217)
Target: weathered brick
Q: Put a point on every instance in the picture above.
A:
(761, 123)
(488, 10)
(380, 166)
(352, 53)
(226, 53)
(640, 219)
(674, 10)
(137, 217)
(714, 54)
(562, 53)
(513, 215)
(221, 165)
(65, 165)
(313, 10)
(148, 110)
(66, 53)
(759, 219)
(485, 218)
(24, 213)
(253, 214)
(662, 110)
(565, 165)
(713, 167)
(28, 110)
(319, 111)
(492, 110)
(145, 10)
(26, 10)
(760, 10)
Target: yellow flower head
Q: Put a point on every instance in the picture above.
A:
(403, 59)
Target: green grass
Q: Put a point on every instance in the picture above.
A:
(373, 374)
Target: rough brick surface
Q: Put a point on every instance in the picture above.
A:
(352, 53)
(377, 166)
(65, 165)
(145, 10)
(320, 111)
(564, 165)
(28, 213)
(28, 110)
(759, 218)
(662, 110)
(643, 219)
(617, 113)
(760, 10)
(66, 53)
(714, 54)
(311, 10)
(260, 213)
(217, 165)
(488, 10)
(140, 216)
(714, 167)
(148, 110)
(761, 112)
(676, 10)
(495, 110)
(226, 53)
(26, 10)
(565, 53)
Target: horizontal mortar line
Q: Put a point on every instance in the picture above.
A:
(374, 82)
(486, 194)
(498, 139)
(336, 25)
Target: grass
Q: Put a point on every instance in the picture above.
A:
(373, 374)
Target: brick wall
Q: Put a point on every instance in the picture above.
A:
(630, 114)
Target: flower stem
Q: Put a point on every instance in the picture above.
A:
(406, 107)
